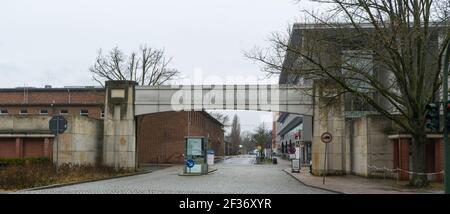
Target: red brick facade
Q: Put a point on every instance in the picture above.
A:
(161, 135)
(434, 157)
(26, 147)
(53, 100)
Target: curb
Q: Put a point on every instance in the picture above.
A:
(81, 182)
(209, 172)
(159, 164)
(221, 160)
(313, 186)
(335, 191)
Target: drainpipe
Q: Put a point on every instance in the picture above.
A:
(68, 92)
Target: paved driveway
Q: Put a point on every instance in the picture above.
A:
(235, 175)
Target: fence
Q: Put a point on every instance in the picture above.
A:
(385, 172)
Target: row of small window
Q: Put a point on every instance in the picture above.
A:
(83, 112)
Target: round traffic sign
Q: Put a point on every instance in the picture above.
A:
(190, 163)
(326, 137)
(58, 124)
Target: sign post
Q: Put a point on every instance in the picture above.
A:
(58, 124)
(326, 138)
(445, 132)
(190, 163)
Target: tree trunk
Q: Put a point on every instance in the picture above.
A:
(418, 159)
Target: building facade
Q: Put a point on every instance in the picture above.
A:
(294, 133)
(83, 101)
(364, 143)
(161, 137)
(24, 127)
(24, 116)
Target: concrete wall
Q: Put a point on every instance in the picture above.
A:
(25, 124)
(81, 142)
(368, 145)
(380, 148)
(357, 142)
(119, 140)
(328, 118)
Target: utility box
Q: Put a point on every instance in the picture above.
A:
(210, 157)
(296, 165)
(195, 156)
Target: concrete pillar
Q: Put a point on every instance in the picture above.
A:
(19, 147)
(119, 135)
(328, 118)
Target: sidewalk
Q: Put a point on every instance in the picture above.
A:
(352, 184)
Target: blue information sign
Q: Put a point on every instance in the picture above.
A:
(190, 163)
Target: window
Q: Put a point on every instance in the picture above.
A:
(102, 114)
(3, 111)
(356, 66)
(23, 111)
(43, 111)
(64, 111)
(84, 112)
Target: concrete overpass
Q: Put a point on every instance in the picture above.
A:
(272, 98)
(125, 100)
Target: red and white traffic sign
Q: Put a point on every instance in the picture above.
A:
(326, 137)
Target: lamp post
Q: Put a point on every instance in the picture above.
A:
(445, 132)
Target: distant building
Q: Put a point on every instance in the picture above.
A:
(294, 131)
(274, 132)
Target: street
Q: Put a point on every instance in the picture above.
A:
(234, 175)
(240, 160)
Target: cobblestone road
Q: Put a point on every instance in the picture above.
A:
(235, 175)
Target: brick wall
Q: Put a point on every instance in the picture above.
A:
(402, 157)
(56, 95)
(53, 100)
(7, 147)
(160, 136)
(25, 147)
(439, 160)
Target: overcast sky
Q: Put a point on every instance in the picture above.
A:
(54, 42)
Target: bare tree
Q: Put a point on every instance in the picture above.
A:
(147, 66)
(248, 145)
(223, 118)
(403, 41)
(235, 135)
(262, 137)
